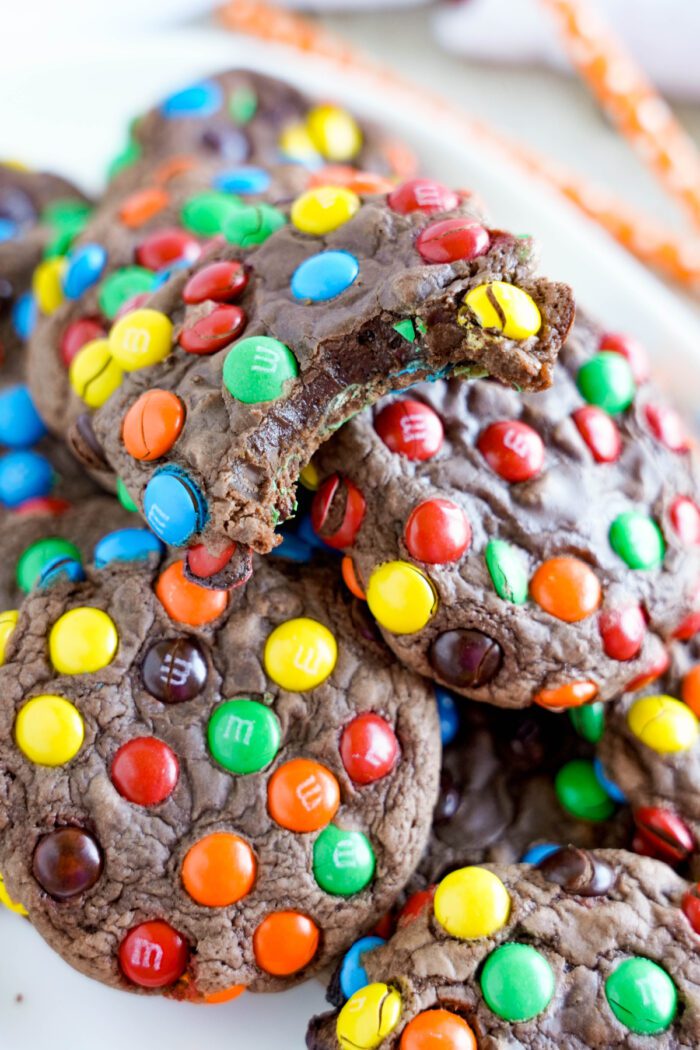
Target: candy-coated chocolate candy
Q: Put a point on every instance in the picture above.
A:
(663, 724)
(49, 730)
(82, 641)
(285, 942)
(622, 631)
(324, 276)
(244, 736)
(507, 571)
(207, 213)
(143, 205)
(300, 654)
(294, 549)
(256, 369)
(512, 449)
(153, 424)
(465, 658)
(567, 588)
(153, 955)
(296, 145)
(242, 104)
(77, 334)
(126, 545)
(302, 795)
(368, 1017)
(425, 195)
(416, 904)
(505, 308)
(66, 863)
(121, 286)
(47, 284)
(162, 248)
(173, 506)
(688, 626)
(609, 786)
(124, 497)
(589, 721)
(8, 230)
(665, 833)
(369, 748)
(667, 427)
(634, 353)
(638, 540)
(24, 314)
(245, 180)
(137, 301)
(145, 771)
(84, 268)
(349, 574)
(452, 239)
(24, 474)
(658, 665)
(203, 564)
(472, 902)
(600, 433)
(35, 557)
(517, 982)
(174, 670)
(338, 495)
(141, 338)
(226, 995)
(580, 792)
(538, 853)
(334, 133)
(8, 622)
(221, 281)
(43, 505)
(214, 331)
(94, 373)
(252, 224)
(7, 901)
(691, 906)
(343, 861)
(219, 870)
(690, 689)
(61, 569)
(437, 532)
(411, 429)
(401, 597)
(607, 381)
(187, 602)
(578, 871)
(20, 423)
(642, 996)
(199, 100)
(448, 715)
(325, 208)
(438, 1030)
(684, 515)
(352, 974)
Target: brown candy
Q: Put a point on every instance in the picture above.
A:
(174, 670)
(578, 871)
(67, 862)
(465, 658)
(85, 446)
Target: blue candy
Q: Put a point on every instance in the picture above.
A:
(61, 568)
(126, 545)
(243, 180)
(85, 266)
(174, 507)
(198, 100)
(24, 316)
(448, 713)
(8, 230)
(609, 786)
(24, 475)
(305, 532)
(537, 853)
(353, 975)
(20, 424)
(324, 276)
(294, 549)
(164, 275)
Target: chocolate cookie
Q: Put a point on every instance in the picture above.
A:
(587, 951)
(522, 549)
(202, 790)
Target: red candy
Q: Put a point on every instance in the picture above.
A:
(411, 429)
(415, 906)
(452, 239)
(622, 631)
(77, 335)
(512, 449)
(203, 564)
(667, 427)
(153, 955)
(600, 433)
(685, 519)
(689, 627)
(691, 906)
(331, 489)
(221, 281)
(43, 505)
(424, 195)
(145, 771)
(437, 531)
(165, 247)
(369, 749)
(213, 332)
(665, 833)
(659, 666)
(631, 350)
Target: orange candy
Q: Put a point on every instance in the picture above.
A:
(219, 870)
(141, 206)
(303, 795)
(172, 167)
(187, 602)
(437, 1030)
(690, 689)
(566, 588)
(363, 183)
(226, 995)
(347, 568)
(285, 942)
(153, 424)
(573, 694)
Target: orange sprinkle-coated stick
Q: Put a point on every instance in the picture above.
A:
(630, 100)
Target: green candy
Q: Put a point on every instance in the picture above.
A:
(37, 555)
(507, 570)
(607, 381)
(642, 996)
(589, 721)
(517, 982)
(406, 328)
(123, 285)
(252, 224)
(207, 213)
(67, 218)
(638, 540)
(242, 105)
(128, 156)
(257, 368)
(580, 792)
(343, 861)
(123, 496)
(244, 736)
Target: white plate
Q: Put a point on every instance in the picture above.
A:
(66, 109)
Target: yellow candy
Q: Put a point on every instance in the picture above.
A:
(401, 597)
(6, 899)
(300, 654)
(663, 724)
(82, 641)
(310, 478)
(47, 284)
(518, 317)
(49, 730)
(94, 374)
(472, 902)
(334, 132)
(15, 165)
(141, 338)
(8, 622)
(368, 1017)
(295, 143)
(324, 209)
